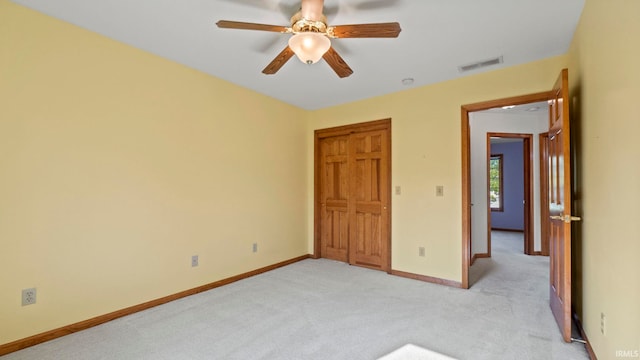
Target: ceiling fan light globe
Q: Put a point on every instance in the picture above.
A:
(309, 46)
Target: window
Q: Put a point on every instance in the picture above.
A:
(496, 195)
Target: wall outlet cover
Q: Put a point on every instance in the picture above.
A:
(28, 296)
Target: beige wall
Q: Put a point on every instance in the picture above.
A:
(426, 149)
(116, 166)
(605, 80)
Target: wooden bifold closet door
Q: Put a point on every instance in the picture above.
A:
(352, 194)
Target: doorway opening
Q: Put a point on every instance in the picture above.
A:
(352, 212)
(510, 192)
(468, 202)
(559, 155)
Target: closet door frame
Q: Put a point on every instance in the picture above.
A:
(320, 134)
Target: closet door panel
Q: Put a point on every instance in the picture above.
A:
(368, 200)
(334, 198)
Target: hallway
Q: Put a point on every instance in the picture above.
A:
(524, 281)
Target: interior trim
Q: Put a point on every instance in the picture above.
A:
(592, 354)
(425, 278)
(318, 135)
(83, 325)
(466, 167)
(527, 172)
(479, 256)
(543, 147)
(508, 230)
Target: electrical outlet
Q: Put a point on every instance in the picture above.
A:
(28, 296)
(255, 247)
(194, 261)
(421, 251)
(603, 324)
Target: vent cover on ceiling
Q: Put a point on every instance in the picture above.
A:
(480, 64)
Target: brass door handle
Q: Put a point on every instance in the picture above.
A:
(566, 218)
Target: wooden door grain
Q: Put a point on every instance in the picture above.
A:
(334, 197)
(368, 199)
(353, 170)
(559, 187)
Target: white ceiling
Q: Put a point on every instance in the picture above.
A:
(437, 36)
(523, 109)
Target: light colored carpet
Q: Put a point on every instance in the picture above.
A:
(321, 309)
(413, 352)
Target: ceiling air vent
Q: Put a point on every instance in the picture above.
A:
(480, 64)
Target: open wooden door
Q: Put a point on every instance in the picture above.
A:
(543, 141)
(559, 186)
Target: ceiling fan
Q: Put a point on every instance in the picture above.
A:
(311, 37)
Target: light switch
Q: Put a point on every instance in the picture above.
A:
(398, 191)
(439, 190)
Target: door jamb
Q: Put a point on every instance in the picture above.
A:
(384, 124)
(527, 151)
(466, 166)
(544, 192)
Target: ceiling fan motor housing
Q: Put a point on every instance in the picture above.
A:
(300, 24)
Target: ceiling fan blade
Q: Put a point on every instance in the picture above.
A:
(380, 30)
(337, 63)
(226, 24)
(277, 63)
